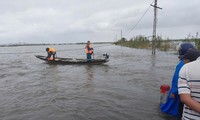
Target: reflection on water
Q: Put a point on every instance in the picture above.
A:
(153, 60)
(89, 72)
(125, 88)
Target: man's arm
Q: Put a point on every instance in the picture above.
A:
(193, 104)
(48, 55)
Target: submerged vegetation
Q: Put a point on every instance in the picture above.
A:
(144, 42)
(197, 43)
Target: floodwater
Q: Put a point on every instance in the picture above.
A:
(125, 88)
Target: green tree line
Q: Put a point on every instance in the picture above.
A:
(144, 42)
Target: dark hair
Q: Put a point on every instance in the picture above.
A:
(191, 55)
(47, 49)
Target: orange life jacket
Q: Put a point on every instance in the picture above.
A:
(52, 50)
(88, 49)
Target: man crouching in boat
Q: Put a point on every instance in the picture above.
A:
(89, 51)
(51, 52)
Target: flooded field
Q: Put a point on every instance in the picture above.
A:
(125, 88)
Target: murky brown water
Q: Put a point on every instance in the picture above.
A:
(125, 88)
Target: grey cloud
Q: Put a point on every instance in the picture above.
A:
(76, 21)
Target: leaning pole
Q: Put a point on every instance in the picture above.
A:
(154, 27)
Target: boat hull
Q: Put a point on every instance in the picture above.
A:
(68, 61)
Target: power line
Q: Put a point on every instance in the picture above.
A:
(139, 20)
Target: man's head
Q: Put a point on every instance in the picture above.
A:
(183, 48)
(47, 49)
(191, 55)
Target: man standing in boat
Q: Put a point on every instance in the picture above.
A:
(89, 51)
(51, 52)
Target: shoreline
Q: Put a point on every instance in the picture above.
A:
(43, 44)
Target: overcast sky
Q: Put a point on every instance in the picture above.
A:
(71, 21)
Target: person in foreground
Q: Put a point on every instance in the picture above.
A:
(89, 51)
(189, 86)
(173, 106)
(51, 52)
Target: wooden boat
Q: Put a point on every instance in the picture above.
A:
(68, 61)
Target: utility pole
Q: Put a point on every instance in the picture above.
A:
(197, 35)
(121, 34)
(154, 27)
